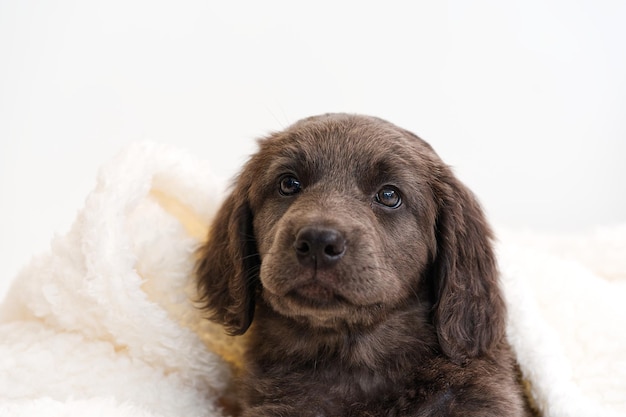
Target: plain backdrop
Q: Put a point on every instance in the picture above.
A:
(525, 99)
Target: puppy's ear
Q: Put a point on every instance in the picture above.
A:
(228, 265)
(469, 311)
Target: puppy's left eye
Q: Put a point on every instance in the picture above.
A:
(389, 196)
(289, 185)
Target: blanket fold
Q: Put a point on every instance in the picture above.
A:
(105, 323)
(107, 316)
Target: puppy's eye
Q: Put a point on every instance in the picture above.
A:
(389, 196)
(289, 185)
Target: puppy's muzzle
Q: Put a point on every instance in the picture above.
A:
(319, 247)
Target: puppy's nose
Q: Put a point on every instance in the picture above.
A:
(319, 246)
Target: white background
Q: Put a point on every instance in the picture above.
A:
(525, 99)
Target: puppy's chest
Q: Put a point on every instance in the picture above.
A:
(351, 383)
(332, 390)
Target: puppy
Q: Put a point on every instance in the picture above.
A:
(363, 273)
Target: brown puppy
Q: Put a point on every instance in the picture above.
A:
(369, 272)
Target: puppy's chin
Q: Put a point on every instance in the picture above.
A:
(320, 307)
(316, 295)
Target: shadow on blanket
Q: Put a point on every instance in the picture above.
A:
(103, 321)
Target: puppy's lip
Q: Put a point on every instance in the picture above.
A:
(316, 294)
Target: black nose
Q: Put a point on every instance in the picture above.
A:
(319, 246)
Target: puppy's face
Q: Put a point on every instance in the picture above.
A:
(343, 218)
(340, 220)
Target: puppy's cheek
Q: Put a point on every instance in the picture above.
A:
(276, 277)
(267, 230)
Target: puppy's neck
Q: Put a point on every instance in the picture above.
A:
(405, 335)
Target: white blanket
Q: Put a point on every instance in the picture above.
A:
(105, 324)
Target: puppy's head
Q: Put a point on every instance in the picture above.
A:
(340, 220)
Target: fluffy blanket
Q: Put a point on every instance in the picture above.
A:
(105, 322)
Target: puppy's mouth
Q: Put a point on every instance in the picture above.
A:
(315, 295)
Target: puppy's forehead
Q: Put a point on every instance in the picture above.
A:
(343, 143)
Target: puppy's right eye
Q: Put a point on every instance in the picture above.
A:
(289, 185)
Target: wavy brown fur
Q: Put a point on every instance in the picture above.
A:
(356, 305)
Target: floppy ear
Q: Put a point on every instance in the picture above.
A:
(228, 266)
(469, 311)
